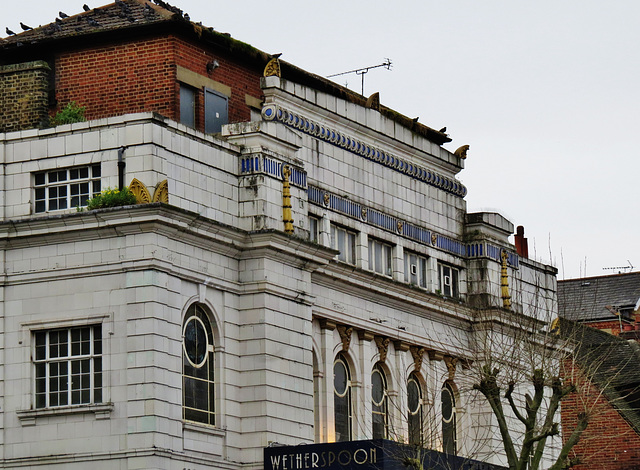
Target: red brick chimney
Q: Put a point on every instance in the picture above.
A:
(522, 245)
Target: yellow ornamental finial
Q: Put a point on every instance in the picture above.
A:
(272, 69)
(504, 282)
(286, 200)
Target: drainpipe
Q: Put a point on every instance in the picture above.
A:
(121, 166)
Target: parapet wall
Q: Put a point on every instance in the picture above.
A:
(24, 96)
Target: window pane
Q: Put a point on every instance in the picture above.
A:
(215, 112)
(187, 106)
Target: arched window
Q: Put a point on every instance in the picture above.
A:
(449, 435)
(414, 412)
(379, 403)
(342, 398)
(198, 385)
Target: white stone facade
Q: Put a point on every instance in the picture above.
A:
(282, 307)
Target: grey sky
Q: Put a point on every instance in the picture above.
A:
(545, 93)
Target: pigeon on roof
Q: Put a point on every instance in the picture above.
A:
(62, 15)
(9, 32)
(92, 22)
(25, 27)
(85, 7)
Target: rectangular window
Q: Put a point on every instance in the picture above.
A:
(415, 269)
(314, 229)
(67, 188)
(448, 281)
(380, 257)
(345, 242)
(68, 366)
(188, 105)
(216, 111)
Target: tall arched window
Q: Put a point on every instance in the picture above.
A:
(198, 394)
(379, 403)
(342, 398)
(415, 416)
(449, 435)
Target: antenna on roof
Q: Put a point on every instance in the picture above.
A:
(364, 70)
(621, 268)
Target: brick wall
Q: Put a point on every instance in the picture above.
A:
(140, 76)
(23, 96)
(609, 442)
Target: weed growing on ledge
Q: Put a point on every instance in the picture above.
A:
(111, 198)
(68, 115)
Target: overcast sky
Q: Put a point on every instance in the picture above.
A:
(546, 94)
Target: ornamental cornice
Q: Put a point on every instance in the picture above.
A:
(328, 134)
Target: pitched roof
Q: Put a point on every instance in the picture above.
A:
(115, 16)
(611, 363)
(130, 17)
(587, 299)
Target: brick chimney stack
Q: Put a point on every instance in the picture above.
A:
(522, 245)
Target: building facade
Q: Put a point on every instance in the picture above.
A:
(301, 267)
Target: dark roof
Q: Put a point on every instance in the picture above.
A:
(127, 18)
(587, 299)
(611, 363)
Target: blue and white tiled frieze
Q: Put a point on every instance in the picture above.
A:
(273, 112)
(421, 235)
(273, 167)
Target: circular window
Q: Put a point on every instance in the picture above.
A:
(377, 387)
(413, 392)
(340, 378)
(195, 342)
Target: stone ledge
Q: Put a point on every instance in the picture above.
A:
(28, 417)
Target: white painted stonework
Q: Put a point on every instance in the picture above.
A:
(277, 302)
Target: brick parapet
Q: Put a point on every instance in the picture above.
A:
(24, 95)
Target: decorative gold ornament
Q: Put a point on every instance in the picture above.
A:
(434, 239)
(417, 354)
(383, 347)
(461, 152)
(399, 226)
(373, 101)
(326, 199)
(451, 363)
(287, 215)
(272, 69)
(161, 194)
(345, 336)
(504, 281)
(140, 191)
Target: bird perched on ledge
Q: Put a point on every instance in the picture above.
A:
(9, 32)
(25, 27)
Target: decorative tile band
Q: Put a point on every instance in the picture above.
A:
(273, 112)
(270, 166)
(422, 235)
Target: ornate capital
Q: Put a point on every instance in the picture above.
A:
(345, 336)
(417, 353)
(383, 347)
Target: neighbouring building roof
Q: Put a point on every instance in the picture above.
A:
(130, 18)
(611, 363)
(593, 299)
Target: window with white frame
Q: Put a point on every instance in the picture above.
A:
(448, 280)
(380, 257)
(198, 367)
(449, 431)
(314, 229)
(415, 269)
(379, 403)
(344, 241)
(66, 188)
(342, 399)
(415, 410)
(68, 366)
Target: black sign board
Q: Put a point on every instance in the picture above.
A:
(376, 454)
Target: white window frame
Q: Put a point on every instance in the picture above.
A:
(69, 187)
(380, 257)
(314, 229)
(46, 360)
(449, 280)
(416, 269)
(344, 241)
